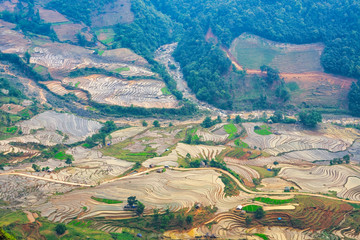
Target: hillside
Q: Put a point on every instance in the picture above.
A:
(153, 119)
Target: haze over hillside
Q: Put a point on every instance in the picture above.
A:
(154, 119)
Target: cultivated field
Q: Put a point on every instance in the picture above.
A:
(341, 179)
(292, 138)
(252, 52)
(116, 91)
(76, 128)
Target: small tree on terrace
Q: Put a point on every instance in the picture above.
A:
(259, 213)
(140, 208)
(207, 122)
(132, 200)
(310, 118)
(156, 123)
(60, 229)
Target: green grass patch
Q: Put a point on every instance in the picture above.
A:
(62, 155)
(263, 236)
(292, 86)
(123, 236)
(39, 68)
(264, 173)
(273, 201)
(118, 151)
(241, 144)
(77, 84)
(165, 91)
(251, 208)
(122, 69)
(7, 217)
(75, 231)
(101, 52)
(108, 201)
(11, 130)
(230, 129)
(262, 130)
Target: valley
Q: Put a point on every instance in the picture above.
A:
(141, 119)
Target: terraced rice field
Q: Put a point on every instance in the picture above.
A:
(89, 167)
(331, 138)
(173, 189)
(341, 179)
(123, 134)
(62, 58)
(12, 41)
(76, 128)
(57, 88)
(115, 91)
(181, 150)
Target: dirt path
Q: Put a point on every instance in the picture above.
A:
(30, 216)
(241, 185)
(46, 179)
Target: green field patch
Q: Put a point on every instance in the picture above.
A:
(122, 69)
(251, 208)
(230, 129)
(263, 236)
(118, 151)
(39, 68)
(252, 52)
(264, 173)
(11, 130)
(236, 153)
(77, 84)
(7, 217)
(62, 155)
(262, 130)
(165, 91)
(101, 52)
(241, 144)
(273, 201)
(108, 201)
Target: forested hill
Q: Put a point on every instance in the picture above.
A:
(205, 67)
(336, 23)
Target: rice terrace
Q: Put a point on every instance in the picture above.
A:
(124, 120)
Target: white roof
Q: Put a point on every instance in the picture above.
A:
(239, 207)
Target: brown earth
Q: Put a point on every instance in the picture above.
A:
(12, 108)
(56, 87)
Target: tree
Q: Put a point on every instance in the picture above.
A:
(170, 124)
(347, 158)
(259, 213)
(354, 99)
(60, 229)
(140, 208)
(36, 167)
(310, 118)
(237, 119)
(276, 163)
(27, 57)
(248, 220)
(189, 219)
(68, 160)
(132, 200)
(144, 123)
(218, 120)
(207, 123)
(156, 123)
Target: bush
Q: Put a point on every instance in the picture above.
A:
(60, 229)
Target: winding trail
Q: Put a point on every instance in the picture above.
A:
(46, 179)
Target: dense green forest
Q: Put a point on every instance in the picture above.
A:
(79, 10)
(158, 22)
